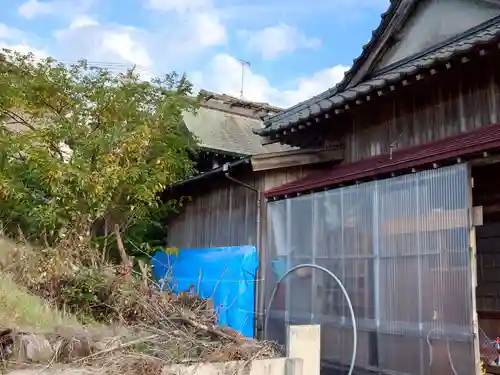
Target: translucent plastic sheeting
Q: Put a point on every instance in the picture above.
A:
(226, 274)
(401, 248)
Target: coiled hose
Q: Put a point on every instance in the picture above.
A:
(346, 295)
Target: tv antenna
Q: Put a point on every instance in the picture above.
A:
(243, 65)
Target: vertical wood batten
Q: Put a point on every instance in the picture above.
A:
(226, 213)
(432, 109)
(493, 87)
(220, 217)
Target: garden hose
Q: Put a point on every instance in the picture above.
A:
(447, 349)
(344, 291)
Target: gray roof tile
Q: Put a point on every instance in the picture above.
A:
(330, 99)
(228, 132)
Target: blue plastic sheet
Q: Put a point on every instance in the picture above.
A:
(226, 274)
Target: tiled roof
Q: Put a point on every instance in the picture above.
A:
(466, 144)
(225, 124)
(384, 22)
(386, 18)
(332, 98)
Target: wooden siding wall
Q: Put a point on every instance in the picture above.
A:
(437, 107)
(488, 261)
(226, 215)
(223, 216)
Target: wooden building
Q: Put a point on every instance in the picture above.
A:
(409, 219)
(223, 128)
(233, 166)
(225, 204)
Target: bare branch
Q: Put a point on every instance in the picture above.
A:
(18, 118)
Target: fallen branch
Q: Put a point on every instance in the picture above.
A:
(121, 346)
(212, 331)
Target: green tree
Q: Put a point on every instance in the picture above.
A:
(80, 145)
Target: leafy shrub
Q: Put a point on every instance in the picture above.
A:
(91, 146)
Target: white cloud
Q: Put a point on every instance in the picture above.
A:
(188, 33)
(86, 37)
(188, 29)
(200, 20)
(24, 48)
(10, 33)
(317, 83)
(82, 20)
(14, 39)
(64, 8)
(271, 42)
(122, 44)
(33, 8)
(223, 74)
(181, 6)
(207, 29)
(4, 31)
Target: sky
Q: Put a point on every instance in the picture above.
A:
(295, 48)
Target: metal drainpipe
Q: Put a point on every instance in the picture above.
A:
(260, 271)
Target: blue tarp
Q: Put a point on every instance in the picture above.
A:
(226, 274)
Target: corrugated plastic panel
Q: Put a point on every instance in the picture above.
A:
(465, 144)
(400, 246)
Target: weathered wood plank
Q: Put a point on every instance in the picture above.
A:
(445, 105)
(226, 214)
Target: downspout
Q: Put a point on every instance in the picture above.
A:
(261, 270)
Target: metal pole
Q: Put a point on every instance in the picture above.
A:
(243, 64)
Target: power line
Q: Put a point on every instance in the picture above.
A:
(110, 65)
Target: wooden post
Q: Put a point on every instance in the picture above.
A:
(304, 342)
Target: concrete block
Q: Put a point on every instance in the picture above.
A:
(294, 366)
(275, 366)
(304, 342)
(303, 358)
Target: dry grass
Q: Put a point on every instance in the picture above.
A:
(21, 310)
(154, 329)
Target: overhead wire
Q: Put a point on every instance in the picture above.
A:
(115, 66)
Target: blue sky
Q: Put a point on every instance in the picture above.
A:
(296, 48)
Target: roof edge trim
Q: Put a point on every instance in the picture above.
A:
(465, 144)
